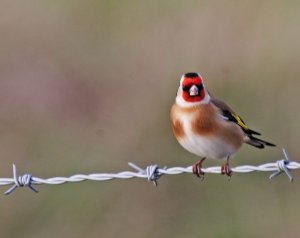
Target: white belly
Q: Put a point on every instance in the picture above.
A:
(213, 148)
(210, 147)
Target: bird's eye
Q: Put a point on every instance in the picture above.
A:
(185, 88)
(200, 87)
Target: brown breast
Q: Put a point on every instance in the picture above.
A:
(205, 121)
(177, 125)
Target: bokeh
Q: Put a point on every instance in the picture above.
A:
(86, 86)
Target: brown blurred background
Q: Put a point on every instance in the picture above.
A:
(86, 86)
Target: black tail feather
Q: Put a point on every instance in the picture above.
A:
(258, 143)
(249, 131)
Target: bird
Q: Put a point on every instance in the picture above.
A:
(207, 127)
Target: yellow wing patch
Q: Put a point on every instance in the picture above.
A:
(239, 121)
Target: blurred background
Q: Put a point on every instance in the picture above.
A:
(86, 86)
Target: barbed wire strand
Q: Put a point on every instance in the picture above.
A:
(151, 172)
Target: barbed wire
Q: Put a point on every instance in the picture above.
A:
(152, 173)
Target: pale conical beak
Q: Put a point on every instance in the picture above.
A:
(194, 91)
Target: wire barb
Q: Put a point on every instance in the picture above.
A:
(21, 181)
(151, 172)
(282, 166)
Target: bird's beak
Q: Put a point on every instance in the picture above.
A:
(194, 91)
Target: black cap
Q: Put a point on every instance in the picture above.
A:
(191, 75)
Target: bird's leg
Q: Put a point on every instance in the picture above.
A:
(197, 168)
(225, 169)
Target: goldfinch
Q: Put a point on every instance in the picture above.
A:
(208, 127)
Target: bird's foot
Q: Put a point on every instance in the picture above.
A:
(225, 169)
(197, 169)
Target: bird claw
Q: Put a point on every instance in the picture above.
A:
(197, 169)
(225, 169)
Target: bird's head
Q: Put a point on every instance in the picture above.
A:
(191, 90)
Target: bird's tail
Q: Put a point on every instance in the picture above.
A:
(258, 143)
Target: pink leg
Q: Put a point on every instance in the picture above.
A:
(197, 168)
(225, 169)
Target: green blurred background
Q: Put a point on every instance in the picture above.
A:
(86, 86)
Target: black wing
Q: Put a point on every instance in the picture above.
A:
(230, 116)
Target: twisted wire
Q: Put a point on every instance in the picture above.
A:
(151, 173)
